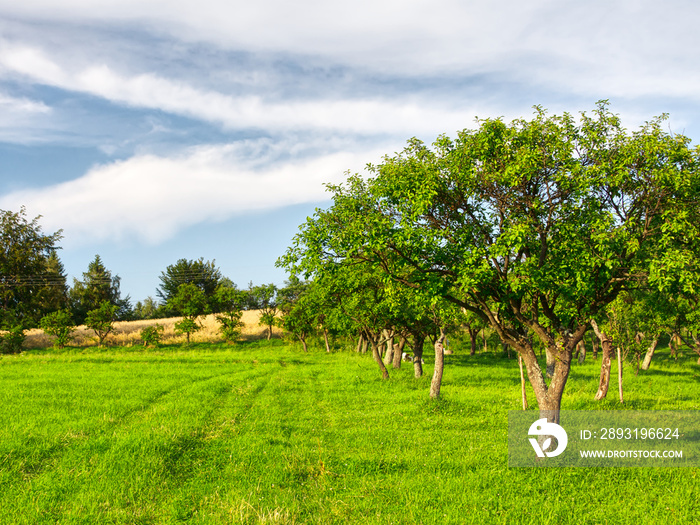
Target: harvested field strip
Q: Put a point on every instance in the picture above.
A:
(127, 333)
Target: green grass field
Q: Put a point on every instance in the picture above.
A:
(263, 433)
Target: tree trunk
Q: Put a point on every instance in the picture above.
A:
(650, 354)
(378, 359)
(486, 346)
(360, 340)
(522, 382)
(473, 334)
(551, 362)
(439, 366)
(594, 344)
(581, 352)
(325, 338)
(619, 373)
(269, 332)
(389, 353)
(548, 396)
(365, 345)
(398, 352)
(605, 365)
(303, 343)
(694, 345)
(418, 341)
(673, 347)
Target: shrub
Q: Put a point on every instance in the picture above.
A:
(187, 326)
(230, 325)
(11, 341)
(60, 325)
(151, 335)
(191, 302)
(229, 301)
(101, 320)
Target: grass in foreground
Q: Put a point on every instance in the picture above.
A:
(263, 433)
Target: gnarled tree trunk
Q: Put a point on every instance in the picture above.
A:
(398, 352)
(389, 341)
(695, 344)
(418, 341)
(548, 396)
(303, 343)
(605, 364)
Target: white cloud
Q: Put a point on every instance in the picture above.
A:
(22, 105)
(369, 116)
(152, 198)
(575, 39)
(23, 120)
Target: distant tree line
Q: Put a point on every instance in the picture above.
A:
(34, 291)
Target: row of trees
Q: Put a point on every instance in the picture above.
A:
(541, 230)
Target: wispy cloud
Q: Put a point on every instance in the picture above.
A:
(566, 43)
(151, 198)
(147, 90)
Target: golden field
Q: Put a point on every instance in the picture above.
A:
(127, 333)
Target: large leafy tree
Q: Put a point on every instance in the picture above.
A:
(26, 272)
(533, 226)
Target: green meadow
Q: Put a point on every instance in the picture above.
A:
(264, 433)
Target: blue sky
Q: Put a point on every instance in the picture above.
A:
(151, 131)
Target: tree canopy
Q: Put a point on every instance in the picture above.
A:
(534, 226)
(27, 274)
(203, 274)
(97, 286)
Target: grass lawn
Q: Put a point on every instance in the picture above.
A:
(263, 433)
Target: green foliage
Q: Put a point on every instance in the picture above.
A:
(534, 226)
(299, 309)
(230, 302)
(11, 340)
(60, 325)
(204, 275)
(191, 302)
(101, 320)
(230, 325)
(264, 298)
(97, 286)
(27, 275)
(187, 326)
(151, 335)
(149, 309)
(54, 296)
